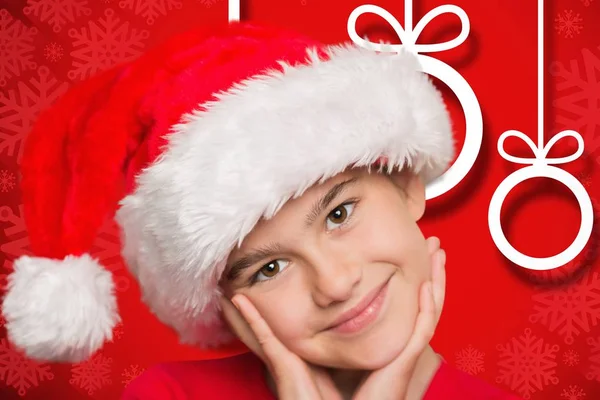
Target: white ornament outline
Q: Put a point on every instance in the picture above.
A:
(541, 167)
(409, 36)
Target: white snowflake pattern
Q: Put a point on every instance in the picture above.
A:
(16, 243)
(150, 9)
(19, 108)
(16, 47)
(93, 374)
(208, 3)
(53, 52)
(470, 360)
(587, 2)
(574, 392)
(570, 358)
(586, 180)
(568, 24)
(569, 310)
(104, 43)
(19, 372)
(130, 373)
(594, 359)
(578, 97)
(57, 13)
(119, 331)
(527, 364)
(7, 180)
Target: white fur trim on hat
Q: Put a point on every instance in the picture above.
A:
(260, 144)
(59, 310)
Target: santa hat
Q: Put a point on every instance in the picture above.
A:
(187, 148)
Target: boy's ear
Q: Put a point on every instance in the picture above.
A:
(414, 192)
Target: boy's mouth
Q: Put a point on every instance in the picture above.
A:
(363, 314)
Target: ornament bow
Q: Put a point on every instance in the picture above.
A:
(407, 34)
(540, 152)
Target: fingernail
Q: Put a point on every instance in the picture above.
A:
(433, 243)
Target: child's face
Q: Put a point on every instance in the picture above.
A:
(366, 236)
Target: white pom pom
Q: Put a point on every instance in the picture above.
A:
(60, 311)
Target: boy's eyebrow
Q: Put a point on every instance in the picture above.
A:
(324, 202)
(252, 258)
(271, 249)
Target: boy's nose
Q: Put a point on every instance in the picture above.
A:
(334, 280)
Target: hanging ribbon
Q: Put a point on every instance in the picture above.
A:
(233, 10)
(541, 166)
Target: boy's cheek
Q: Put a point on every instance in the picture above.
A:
(287, 316)
(415, 262)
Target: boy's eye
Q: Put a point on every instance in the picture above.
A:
(339, 215)
(271, 269)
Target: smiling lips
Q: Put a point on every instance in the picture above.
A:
(363, 314)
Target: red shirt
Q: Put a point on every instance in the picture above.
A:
(241, 378)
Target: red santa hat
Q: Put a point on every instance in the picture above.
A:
(187, 148)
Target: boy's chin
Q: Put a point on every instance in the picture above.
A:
(375, 359)
(366, 358)
(377, 351)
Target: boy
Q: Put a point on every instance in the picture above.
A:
(267, 187)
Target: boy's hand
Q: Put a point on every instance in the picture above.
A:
(295, 379)
(391, 381)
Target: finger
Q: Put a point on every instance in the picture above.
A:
(423, 332)
(275, 352)
(433, 244)
(438, 277)
(240, 327)
(424, 328)
(291, 374)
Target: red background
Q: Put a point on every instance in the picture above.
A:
(536, 334)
